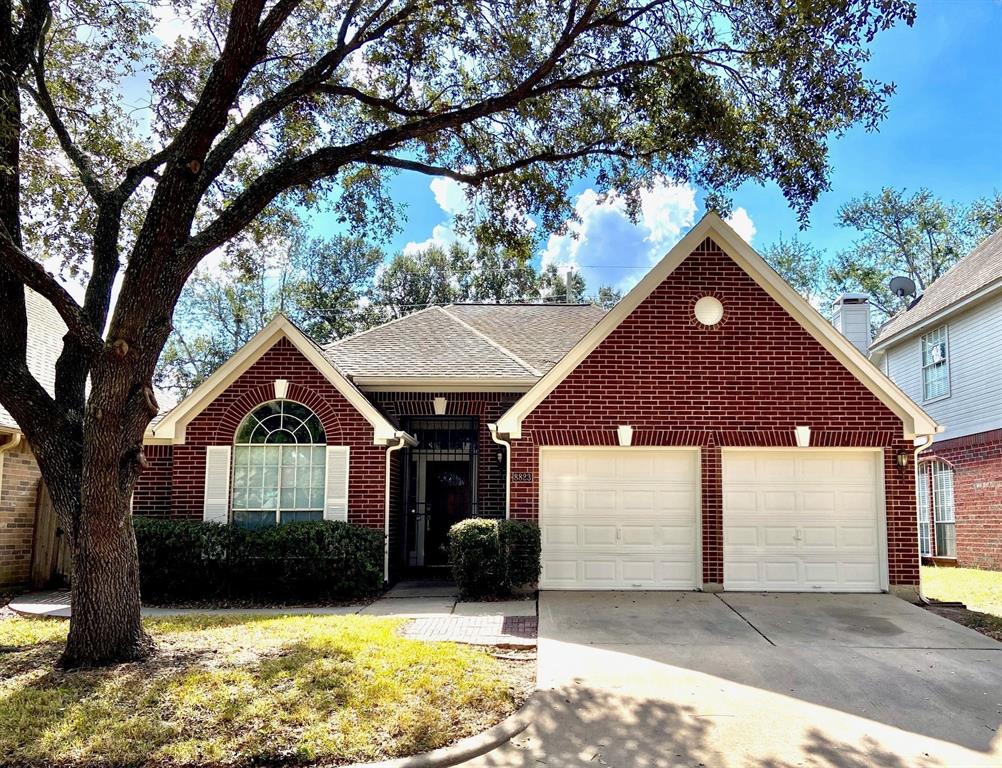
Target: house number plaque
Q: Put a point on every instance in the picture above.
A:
(521, 477)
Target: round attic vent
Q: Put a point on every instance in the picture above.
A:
(709, 311)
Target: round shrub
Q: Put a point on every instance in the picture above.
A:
(490, 558)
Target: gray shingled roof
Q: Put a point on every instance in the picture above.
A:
(540, 334)
(45, 341)
(979, 268)
(467, 341)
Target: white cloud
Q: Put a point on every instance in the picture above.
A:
(441, 235)
(449, 194)
(608, 249)
(742, 224)
(168, 26)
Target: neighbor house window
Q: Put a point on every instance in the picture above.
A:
(943, 509)
(924, 516)
(279, 462)
(935, 364)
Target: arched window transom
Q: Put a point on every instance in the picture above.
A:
(279, 464)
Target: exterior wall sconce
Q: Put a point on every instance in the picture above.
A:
(625, 435)
(902, 459)
(281, 389)
(499, 455)
(439, 404)
(803, 436)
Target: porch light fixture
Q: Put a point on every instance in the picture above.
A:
(439, 404)
(803, 436)
(625, 435)
(902, 459)
(499, 455)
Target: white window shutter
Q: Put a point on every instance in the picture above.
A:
(217, 484)
(336, 492)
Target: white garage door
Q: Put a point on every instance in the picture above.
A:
(619, 518)
(804, 520)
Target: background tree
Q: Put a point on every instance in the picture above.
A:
(916, 235)
(608, 297)
(268, 108)
(556, 287)
(802, 266)
(329, 289)
(412, 281)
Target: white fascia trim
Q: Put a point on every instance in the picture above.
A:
(915, 421)
(937, 318)
(441, 384)
(171, 429)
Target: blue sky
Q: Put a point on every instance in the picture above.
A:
(943, 131)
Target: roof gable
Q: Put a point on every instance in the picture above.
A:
(171, 428)
(914, 420)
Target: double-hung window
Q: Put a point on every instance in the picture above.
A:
(279, 463)
(935, 364)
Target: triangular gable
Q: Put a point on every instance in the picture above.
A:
(914, 420)
(171, 428)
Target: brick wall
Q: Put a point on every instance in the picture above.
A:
(487, 407)
(977, 493)
(747, 381)
(217, 425)
(18, 494)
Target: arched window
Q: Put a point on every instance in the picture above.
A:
(279, 462)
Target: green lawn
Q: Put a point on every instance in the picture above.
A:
(242, 690)
(979, 590)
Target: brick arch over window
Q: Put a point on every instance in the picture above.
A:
(226, 428)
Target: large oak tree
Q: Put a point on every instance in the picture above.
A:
(285, 105)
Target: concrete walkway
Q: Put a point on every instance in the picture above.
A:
(638, 680)
(434, 609)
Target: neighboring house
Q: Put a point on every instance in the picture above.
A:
(712, 431)
(19, 476)
(945, 352)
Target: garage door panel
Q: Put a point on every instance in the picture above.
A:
(635, 528)
(557, 535)
(814, 528)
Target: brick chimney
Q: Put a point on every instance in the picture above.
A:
(852, 318)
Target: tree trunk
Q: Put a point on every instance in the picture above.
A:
(105, 625)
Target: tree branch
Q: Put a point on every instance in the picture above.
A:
(33, 275)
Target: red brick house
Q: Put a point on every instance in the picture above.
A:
(945, 352)
(712, 431)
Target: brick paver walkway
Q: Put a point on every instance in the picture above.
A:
(510, 631)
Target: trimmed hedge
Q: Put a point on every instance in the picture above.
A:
(490, 558)
(190, 560)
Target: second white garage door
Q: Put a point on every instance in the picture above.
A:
(806, 520)
(619, 518)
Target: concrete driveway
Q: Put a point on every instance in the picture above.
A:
(690, 679)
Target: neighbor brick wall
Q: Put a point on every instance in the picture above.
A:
(487, 407)
(977, 494)
(217, 425)
(18, 495)
(746, 382)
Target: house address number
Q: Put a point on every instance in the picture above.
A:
(521, 477)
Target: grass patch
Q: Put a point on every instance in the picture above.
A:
(248, 690)
(978, 590)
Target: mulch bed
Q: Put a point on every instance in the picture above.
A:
(985, 623)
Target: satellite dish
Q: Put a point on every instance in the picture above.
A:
(902, 286)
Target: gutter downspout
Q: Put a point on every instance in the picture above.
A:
(507, 467)
(14, 442)
(402, 440)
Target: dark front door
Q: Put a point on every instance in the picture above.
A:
(447, 501)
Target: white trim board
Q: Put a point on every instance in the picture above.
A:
(171, 429)
(914, 420)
